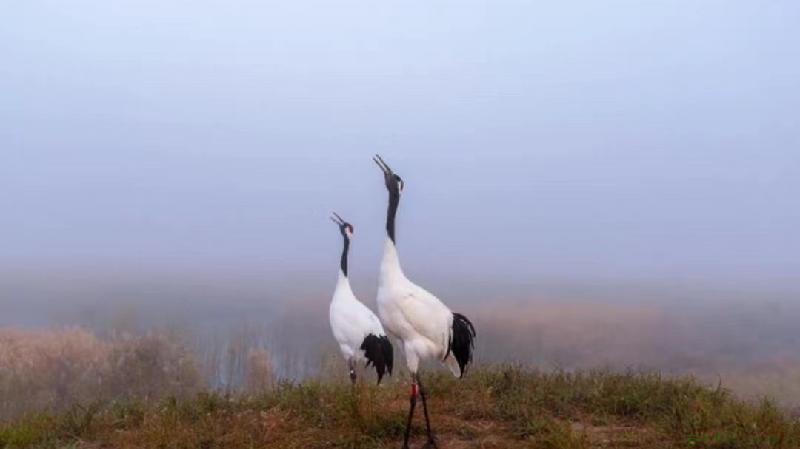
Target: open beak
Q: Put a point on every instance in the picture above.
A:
(337, 219)
(379, 160)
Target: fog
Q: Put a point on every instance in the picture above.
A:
(625, 166)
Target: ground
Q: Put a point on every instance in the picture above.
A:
(501, 407)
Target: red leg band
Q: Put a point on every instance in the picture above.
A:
(413, 389)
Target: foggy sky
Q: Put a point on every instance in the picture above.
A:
(613, 140)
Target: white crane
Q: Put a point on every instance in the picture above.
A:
(357, 330)
(425, 326)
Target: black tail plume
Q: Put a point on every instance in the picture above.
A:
(379, 353)
(462, 341)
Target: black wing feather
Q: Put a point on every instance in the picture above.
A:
(379, 353)
(462, 341)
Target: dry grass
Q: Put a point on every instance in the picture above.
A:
(504, 407)
(52, 369)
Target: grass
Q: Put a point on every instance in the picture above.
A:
(502, 407)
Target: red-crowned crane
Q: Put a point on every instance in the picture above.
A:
(424, 325)
(357, 330)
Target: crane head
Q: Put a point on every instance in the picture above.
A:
(344, 227)
(394, 183)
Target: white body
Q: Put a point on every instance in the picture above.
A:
(418, 318)
(351, 321)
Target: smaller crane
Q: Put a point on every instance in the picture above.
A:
(357, 330)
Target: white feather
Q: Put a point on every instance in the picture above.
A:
(351, 321)
(418, 318)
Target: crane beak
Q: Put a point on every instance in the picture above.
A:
(383, 166)
(337, 219)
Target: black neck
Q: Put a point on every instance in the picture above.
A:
(394, 201)
(343, 263)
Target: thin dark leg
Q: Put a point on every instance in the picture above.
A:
(352, 364)
(431, 440)
(411, 410)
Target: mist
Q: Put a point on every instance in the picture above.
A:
(625, 170)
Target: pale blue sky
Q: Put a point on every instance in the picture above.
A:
(615, 139)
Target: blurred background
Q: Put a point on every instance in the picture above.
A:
(606, 185)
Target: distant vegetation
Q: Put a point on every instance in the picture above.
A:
(54, 369)
(748, 348)
(500, 407)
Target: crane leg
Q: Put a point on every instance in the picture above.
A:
(431, 440)
(352, 365)
(413, 403)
